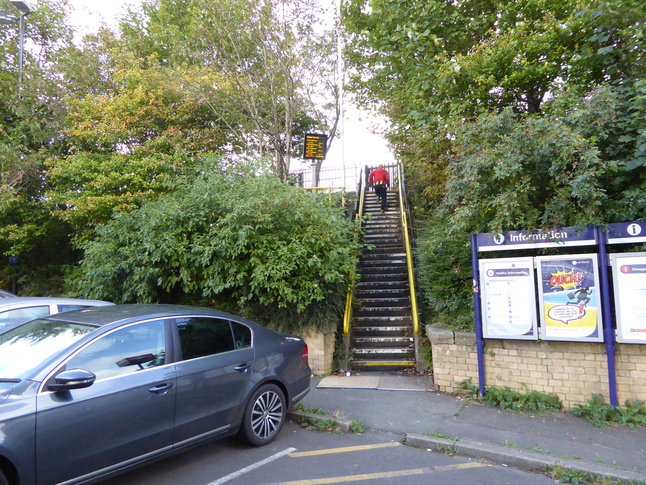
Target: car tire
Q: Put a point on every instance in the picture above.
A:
(264, 416)
(3, 479)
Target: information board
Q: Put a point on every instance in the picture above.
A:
(629, 275)
(570, 306)
(315, 146)
(508, 298)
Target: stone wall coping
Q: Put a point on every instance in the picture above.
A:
(439, 335)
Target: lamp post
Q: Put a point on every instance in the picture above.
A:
(24, 8)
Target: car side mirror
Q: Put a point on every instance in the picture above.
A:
(72, 379)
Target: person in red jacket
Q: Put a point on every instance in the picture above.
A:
(381, 181)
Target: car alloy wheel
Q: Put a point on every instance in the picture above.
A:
(264, 415)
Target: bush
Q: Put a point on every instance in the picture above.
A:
(247, 242)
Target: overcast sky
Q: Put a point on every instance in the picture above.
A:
(358, 147)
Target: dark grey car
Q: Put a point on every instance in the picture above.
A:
(93, 392)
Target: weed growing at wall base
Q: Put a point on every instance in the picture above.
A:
(506, 398)
(603, 415)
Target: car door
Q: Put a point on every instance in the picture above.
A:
(126, 414)
(213, 377)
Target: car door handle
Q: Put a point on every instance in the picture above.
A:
(242, 367)
(161, 388)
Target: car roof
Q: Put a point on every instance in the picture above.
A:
(25, 301)
(105, 315)
(6, 294)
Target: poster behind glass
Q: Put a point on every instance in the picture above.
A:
(629, 277)
(569, 298)
(508, 298)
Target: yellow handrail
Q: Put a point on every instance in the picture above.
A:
(409, 256)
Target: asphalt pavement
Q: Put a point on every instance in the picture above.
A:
(408, 406)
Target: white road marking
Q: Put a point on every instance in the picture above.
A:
(256, 465)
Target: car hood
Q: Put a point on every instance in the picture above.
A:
(5, 392)
(6, 388)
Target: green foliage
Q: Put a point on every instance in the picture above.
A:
(531, 401)
(357, 427)
(603, 415)
(270, 249)
(327, 425)
(470, 389)
(571, 475)
(513, 172)
(506, 398)
(445, 274)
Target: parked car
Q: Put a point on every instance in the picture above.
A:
(6, 294)
(91, 393)
(19, 309)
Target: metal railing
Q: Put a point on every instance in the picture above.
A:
(358, 215)
(408, 237)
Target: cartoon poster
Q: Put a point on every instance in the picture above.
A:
(569, 298)
(629, 276)
(508, 298)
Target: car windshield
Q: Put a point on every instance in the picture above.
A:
(27, 346)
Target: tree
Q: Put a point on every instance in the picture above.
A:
(510, 115)
(269, 53)
(31, 115)
(128, 143)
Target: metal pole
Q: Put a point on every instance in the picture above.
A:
(608, 333)
(478, 313)
(21, 54)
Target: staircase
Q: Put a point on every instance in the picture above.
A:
(381, 337)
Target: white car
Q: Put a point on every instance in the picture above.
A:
(17, 310)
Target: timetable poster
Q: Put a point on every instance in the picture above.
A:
(508, 298)
(629, 276)
(569, 298)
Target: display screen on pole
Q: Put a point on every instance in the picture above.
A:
(508, 298)
(570, 306)
(315, 147)
(629, 277)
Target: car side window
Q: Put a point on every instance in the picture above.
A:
(11, 318)
(241, 335)
(69, 308)
(202, 336)
(124, 351)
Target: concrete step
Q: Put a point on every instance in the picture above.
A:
(381, 365)
(382, 321)
(399, 302)
(380, 341)
(383, 331)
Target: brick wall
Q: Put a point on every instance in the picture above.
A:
(321, 350)
(572, 370)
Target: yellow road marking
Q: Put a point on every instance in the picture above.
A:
(357, 478)
(346, 449)
(373, 476)
(460, 466)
